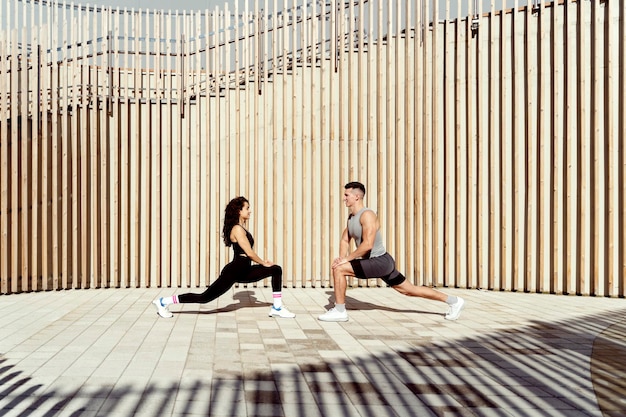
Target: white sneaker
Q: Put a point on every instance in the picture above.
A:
(162, 310)
(334, 315)
(455, 309)
(281, 312)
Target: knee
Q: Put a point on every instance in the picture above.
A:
(277, 271)
(400, 289)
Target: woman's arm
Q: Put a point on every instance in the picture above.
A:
(238, 234)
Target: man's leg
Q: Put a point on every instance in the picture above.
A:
(340, 281)
(411, 290)
(456, 303)
(339, 313)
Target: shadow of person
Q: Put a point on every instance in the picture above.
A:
(354, 304)
(243, 298)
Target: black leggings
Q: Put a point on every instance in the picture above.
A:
(240, 270)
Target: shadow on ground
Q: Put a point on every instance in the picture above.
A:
(502, 373)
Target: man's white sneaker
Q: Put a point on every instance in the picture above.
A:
(334, 315)
(162, 310)
(455, 309)
(281, 312)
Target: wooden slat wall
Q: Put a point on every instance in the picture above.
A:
(492, 145)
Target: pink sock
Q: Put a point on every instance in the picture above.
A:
(278, 300)
(169, 300)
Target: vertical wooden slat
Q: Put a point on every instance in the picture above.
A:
(584, 24)
(612, 151)
(309, 151)
(175, 112)
(388, 210)
(113, 121)
(125, 132)
(598, 159)
(622, 134)
(557, 225)
(496, 138)
(519, 151)
(504, 267)
(280, 131)
(399, 115)
(5, 170)
(482, 155)
(418, 88)
(57, 214)
(572, 227)
(531, 162)
(449, 138)
(463, 37)
(298, 140)
(166, 162)
(408, 134)
(135, 140)
(333, 178)
(146, 209)
(103, 135)
(48, 242)
(91, 105)
(156, 233)
(216, 145)
(83, 155)
(35, 135)
(15, 273)
(545, 152)
(73, 113)
(24, 181)
(473, 109)
(427, 138)
(206, 187)
(185, 151)
(197, 148)
(66, 146)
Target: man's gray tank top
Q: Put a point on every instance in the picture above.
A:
(356, 231)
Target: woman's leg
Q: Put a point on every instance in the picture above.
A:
(258, 272)
(223, 283)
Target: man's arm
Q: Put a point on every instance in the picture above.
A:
(344, 244)
(369, 225)
(344, 247)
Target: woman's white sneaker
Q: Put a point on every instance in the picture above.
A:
(162, 310)
(281, 312)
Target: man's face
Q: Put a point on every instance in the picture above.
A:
(350, 197)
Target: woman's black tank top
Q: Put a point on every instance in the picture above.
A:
(237, 248)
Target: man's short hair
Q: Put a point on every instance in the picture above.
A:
(355, 185)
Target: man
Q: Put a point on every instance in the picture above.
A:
(371, 260)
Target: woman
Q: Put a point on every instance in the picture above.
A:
(240, 269)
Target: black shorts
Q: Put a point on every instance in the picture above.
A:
(383, 267)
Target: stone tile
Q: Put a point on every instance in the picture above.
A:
(509, 355)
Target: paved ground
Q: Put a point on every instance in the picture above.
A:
(106, 353)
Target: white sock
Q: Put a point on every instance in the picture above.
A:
(278, 300)
(340, 307)
(165, 301)
(452, 299)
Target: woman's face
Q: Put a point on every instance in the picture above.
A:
(245, 212)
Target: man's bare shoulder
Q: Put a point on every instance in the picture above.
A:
(368, 215)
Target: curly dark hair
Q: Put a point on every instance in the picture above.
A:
(231, 217)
